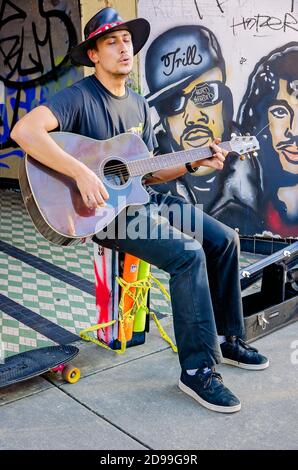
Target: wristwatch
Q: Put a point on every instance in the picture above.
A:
(189, 168)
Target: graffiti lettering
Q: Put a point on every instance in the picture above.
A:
(259, 23)
(23, 61)
(35, 39)
(218, 5)
(197, 8)
(172, 59)
(203, 95)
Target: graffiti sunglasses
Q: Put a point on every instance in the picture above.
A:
(203, 95)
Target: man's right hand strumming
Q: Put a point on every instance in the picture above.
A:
(92, 189)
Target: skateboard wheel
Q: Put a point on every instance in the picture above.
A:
(71, 374)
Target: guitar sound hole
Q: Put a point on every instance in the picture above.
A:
(116, 173)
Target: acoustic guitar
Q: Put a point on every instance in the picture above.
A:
(55, 203)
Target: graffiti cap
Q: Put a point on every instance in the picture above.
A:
(105, 21)
(177, 56)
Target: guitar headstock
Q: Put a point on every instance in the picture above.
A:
(244, 144)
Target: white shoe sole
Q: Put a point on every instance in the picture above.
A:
(206, 404)
(245, 366)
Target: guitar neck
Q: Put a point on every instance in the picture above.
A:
(147, 165)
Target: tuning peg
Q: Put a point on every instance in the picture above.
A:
(247, 133)
(255, 154)
(244, 156)
(233, 135)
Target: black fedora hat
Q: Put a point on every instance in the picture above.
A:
(105, 21)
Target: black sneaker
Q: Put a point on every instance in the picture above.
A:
(237, 352)
(209, 390)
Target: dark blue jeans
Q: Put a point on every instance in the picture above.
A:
(203, 267)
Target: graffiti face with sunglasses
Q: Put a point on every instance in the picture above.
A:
(186, 78)
(193, 116)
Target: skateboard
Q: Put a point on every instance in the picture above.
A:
(32, 363)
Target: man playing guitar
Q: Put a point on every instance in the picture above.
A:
(203, 266)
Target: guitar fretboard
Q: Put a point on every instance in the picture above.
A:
(147, 165)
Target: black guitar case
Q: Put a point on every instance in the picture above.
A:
(276, 303)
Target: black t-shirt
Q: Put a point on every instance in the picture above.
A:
(88, 108)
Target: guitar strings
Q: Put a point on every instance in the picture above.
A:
(122, 167)
(115, 168)
(262, 129)
(118, 166)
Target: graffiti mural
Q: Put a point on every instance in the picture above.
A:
(270, 109)
(35, 39)
(208, 72)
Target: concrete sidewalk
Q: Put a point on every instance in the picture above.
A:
(133, 402)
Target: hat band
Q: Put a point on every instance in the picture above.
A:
(103, 28)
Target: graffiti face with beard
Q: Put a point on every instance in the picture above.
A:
(269, 109)
(283, 125)
(185, 73)
(186, 78)
(198, 116)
